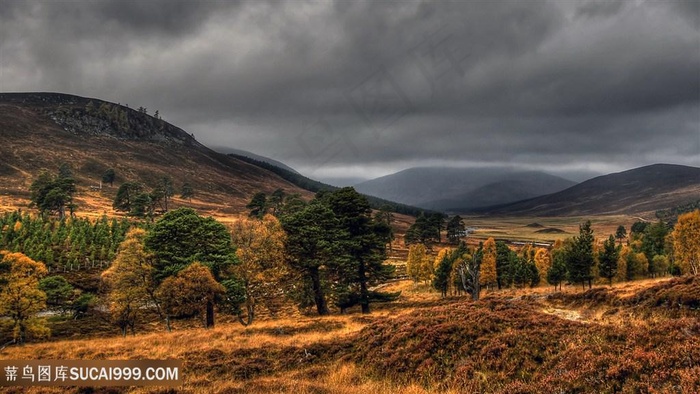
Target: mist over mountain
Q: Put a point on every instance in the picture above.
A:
(245, 153)
(459, 189)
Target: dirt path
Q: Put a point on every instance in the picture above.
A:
(567, 314)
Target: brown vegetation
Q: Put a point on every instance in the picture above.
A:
(419, 344)
(36, 137)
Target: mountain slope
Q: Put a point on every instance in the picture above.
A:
(458, 189)
(42, 130)
(244, 153)
(644, 189)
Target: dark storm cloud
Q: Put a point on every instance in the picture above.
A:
(368, 87)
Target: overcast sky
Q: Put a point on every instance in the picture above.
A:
(362, 89)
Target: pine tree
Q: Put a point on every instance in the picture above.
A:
(621, 233)
(580, 256)
(607, 259)
(187, 191)
(557, 271)
(258, 205)
(441, 281)
(455, 229)
(311, 247)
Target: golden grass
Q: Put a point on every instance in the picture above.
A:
(231, 338)
(515, 228)
(280, 344)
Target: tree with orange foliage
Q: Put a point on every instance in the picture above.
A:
(543, 260)
(686, 242)
(417, 254)
(20, 296)
(189, 292)
(488, 276)
(260, 250)
(130, 281)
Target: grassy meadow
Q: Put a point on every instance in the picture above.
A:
(633, 337)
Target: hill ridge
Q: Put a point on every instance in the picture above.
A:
(638, 190)
(42, 130)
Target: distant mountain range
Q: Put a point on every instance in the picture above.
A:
(644, 189)
(42, 130)
(462, 189)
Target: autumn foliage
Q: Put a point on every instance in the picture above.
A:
(499, 346)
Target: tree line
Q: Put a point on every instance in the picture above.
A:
(327, 254)
(652, 249)
(60, 242)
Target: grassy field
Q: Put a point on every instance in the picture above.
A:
(636, 337)
(536, 229)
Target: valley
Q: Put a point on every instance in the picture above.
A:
(304, 287)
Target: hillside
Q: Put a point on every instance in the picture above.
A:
(640, 190)
(460, 189)
(43, 130)
(254, 156)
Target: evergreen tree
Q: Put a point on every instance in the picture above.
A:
(163, 192)
(126, 194)
(654, 239)
(455, 229)
(437, 223)
(580, 256)
(621, 233)
(58, 291)
(557, 271)
(53, 194)
(258, 205)
(182, 237)
(141, 206)
(441, 281)
(311, 247)
(385, 216)
(607, 259)
(363, 243)
(425, 230)
(504, 258)
(187, 191)
(109, 176)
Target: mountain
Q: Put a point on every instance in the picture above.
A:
(316, 186)
(462, 189)
(240, 152)
(42, 130)
(640, 190)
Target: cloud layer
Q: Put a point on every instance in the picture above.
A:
(364, 88)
